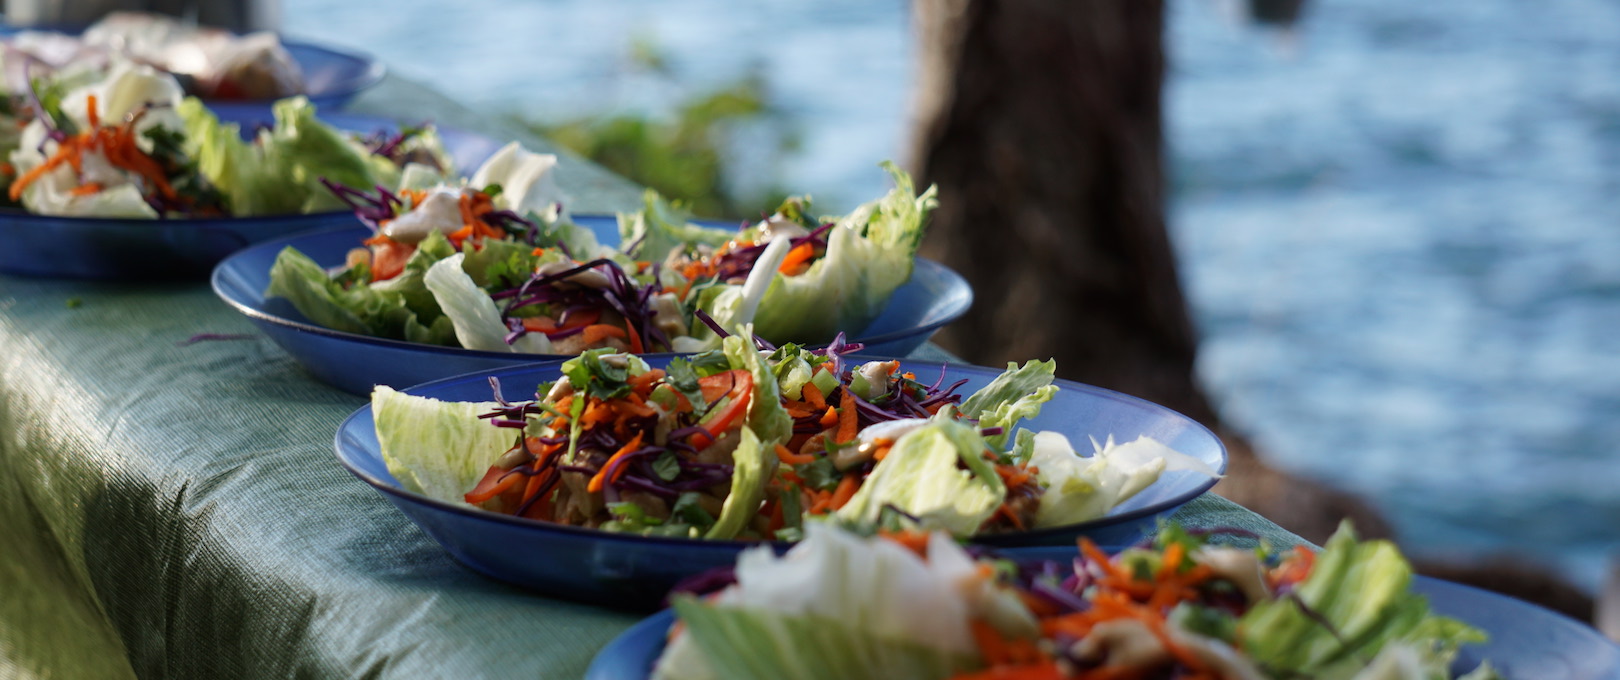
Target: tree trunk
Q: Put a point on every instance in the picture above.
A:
(1040, 122)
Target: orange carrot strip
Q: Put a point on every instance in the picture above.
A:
(635, 338)
(846, 420)
(915, 541)
(600, 477)
(595, 333)
(845, 491)
(85, 189)
(813, 397)
(788, 456)
(800, 255)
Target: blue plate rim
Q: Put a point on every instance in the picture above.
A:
(1032, 537)
(217, 282)
(374, 72)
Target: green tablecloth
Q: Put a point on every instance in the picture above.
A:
(175, 511)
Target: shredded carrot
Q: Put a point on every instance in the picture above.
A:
(1013, 475)
(812, 396)
(90, 111)
(788, 456)
(846, 420)
(635, 338)
(830, 418)
(991, 646)
(596, 412)
(595, 333)
(845, 491)
(775, 520)
(916, 541)
(643, 383)
(498, 481)
(797, 259)
(1012, 517)
(601, 476)
(822, 502)
(882, 449)
(116, 144)
(85, 189)
(634, 407)
(799, 409)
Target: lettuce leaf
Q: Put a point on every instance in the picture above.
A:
(1362, 591)
(659, 228)
(1016, 394)
(280, 172)
(836, 606)
(766, 417)
(528, 181)
(869, 254)
(476, 318)
(766, 425)
(396, 309)
(752, 465)
(920, 476)
(1081, 489)
(437, 448)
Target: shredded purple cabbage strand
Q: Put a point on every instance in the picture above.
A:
(391, 145)
(559, 291)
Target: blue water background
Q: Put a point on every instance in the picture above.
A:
(1399, 228)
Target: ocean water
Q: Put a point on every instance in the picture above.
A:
(1399, 226)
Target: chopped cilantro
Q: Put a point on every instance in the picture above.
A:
(667, 466)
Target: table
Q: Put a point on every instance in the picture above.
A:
(176, 511)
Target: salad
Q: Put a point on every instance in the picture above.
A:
(496, 264)
(759, 444)
(913, 605)
(212, 63)
(132, 145)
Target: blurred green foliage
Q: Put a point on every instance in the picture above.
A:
(689, 156)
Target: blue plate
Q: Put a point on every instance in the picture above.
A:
(635, 571)
(332, 78)
(1526, 641)
(131, 249)
(933, 297)
(332, 75)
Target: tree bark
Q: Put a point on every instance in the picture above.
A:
(1040, 122)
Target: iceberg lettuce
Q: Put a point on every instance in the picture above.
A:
(400, 308)
(473, 313)
(437, 448)
(1016, 394)
(835, 606)
(1359, 593)
(920, 476)
(869, 254)
(1081, 489)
